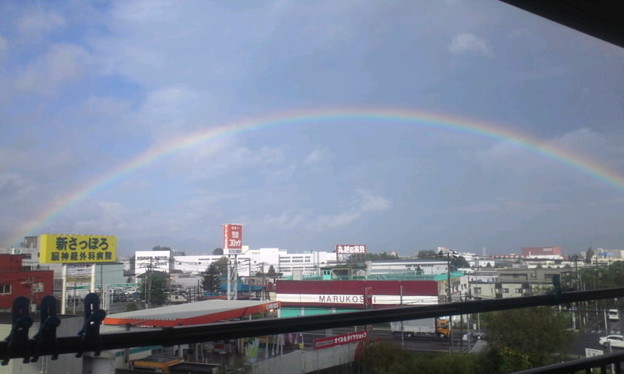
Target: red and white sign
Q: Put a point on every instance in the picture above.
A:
(232, 239)
(345, 249)
(356, 294)
(351, 301)
(332, 341)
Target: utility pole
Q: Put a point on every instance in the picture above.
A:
(148, 282)
(448, 272)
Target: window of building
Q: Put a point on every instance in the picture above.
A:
(5, 289)
(477, 290)
(37, 287)
(505, 290)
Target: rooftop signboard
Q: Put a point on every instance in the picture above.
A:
(75, 249)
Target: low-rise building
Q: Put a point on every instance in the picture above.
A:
(15, 281)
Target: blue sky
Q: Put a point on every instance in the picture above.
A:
(86, 87)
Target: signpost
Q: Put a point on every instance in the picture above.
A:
(232, 247)
(79, 251)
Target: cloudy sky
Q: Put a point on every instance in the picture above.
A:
(402, 125)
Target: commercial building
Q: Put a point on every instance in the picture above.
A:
(15, 281)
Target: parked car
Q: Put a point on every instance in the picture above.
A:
(613, 340)
(613, 314)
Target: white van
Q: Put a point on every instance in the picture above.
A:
(613, 314)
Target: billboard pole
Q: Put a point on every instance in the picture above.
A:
(229, 284)
(232, 246)
(235, 277)
(63, 288)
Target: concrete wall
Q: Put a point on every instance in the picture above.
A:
(307, 361)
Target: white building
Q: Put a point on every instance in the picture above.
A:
(194, 264)
(152, 260)
(250, 262)
(420, 266)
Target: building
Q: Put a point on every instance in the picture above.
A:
(542, 252)
(152, 261)
(15, 281)
(418, 266)
(250, 262)
(516, 282)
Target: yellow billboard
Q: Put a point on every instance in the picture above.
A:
(70, 248)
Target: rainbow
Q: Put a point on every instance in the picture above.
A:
(293, 118)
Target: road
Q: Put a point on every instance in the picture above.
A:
(588, 337)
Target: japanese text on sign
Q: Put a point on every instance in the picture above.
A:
(350, 249)
(232, 237)
(333, 341)
(61, 248)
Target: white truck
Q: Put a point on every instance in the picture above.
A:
(434, 327)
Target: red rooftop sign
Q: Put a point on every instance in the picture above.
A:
(232, 239)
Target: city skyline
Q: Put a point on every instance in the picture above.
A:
(399, 126)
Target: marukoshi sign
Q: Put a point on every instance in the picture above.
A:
(69, 248)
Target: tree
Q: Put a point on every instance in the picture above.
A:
(154, 287)
(218, 252)
(159, 248)
(523, 338)
(456, 262)
(354, 258)
(271, 272)
(384, 357)
(428, 254)
(215, 272)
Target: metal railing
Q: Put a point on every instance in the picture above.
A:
(233, 330)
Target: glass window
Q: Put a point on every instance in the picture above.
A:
(5, 289)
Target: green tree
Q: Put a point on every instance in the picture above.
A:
(154, 288)
(360, 257)
(456, 262)
(385, 357)
(428, 255)
(215, 272)
(271, 272)
(523, 338)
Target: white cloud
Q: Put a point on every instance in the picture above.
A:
(146, 12)
(63, 63)
(39, 23)
(469, 43)
(583, 139)
(364, 202)
(580, 143)
(284, 220)
(15, 187)
(103, 217)
(371, 203)
(505, 154)
(315, 157)
(317, 160)
(168, 110)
